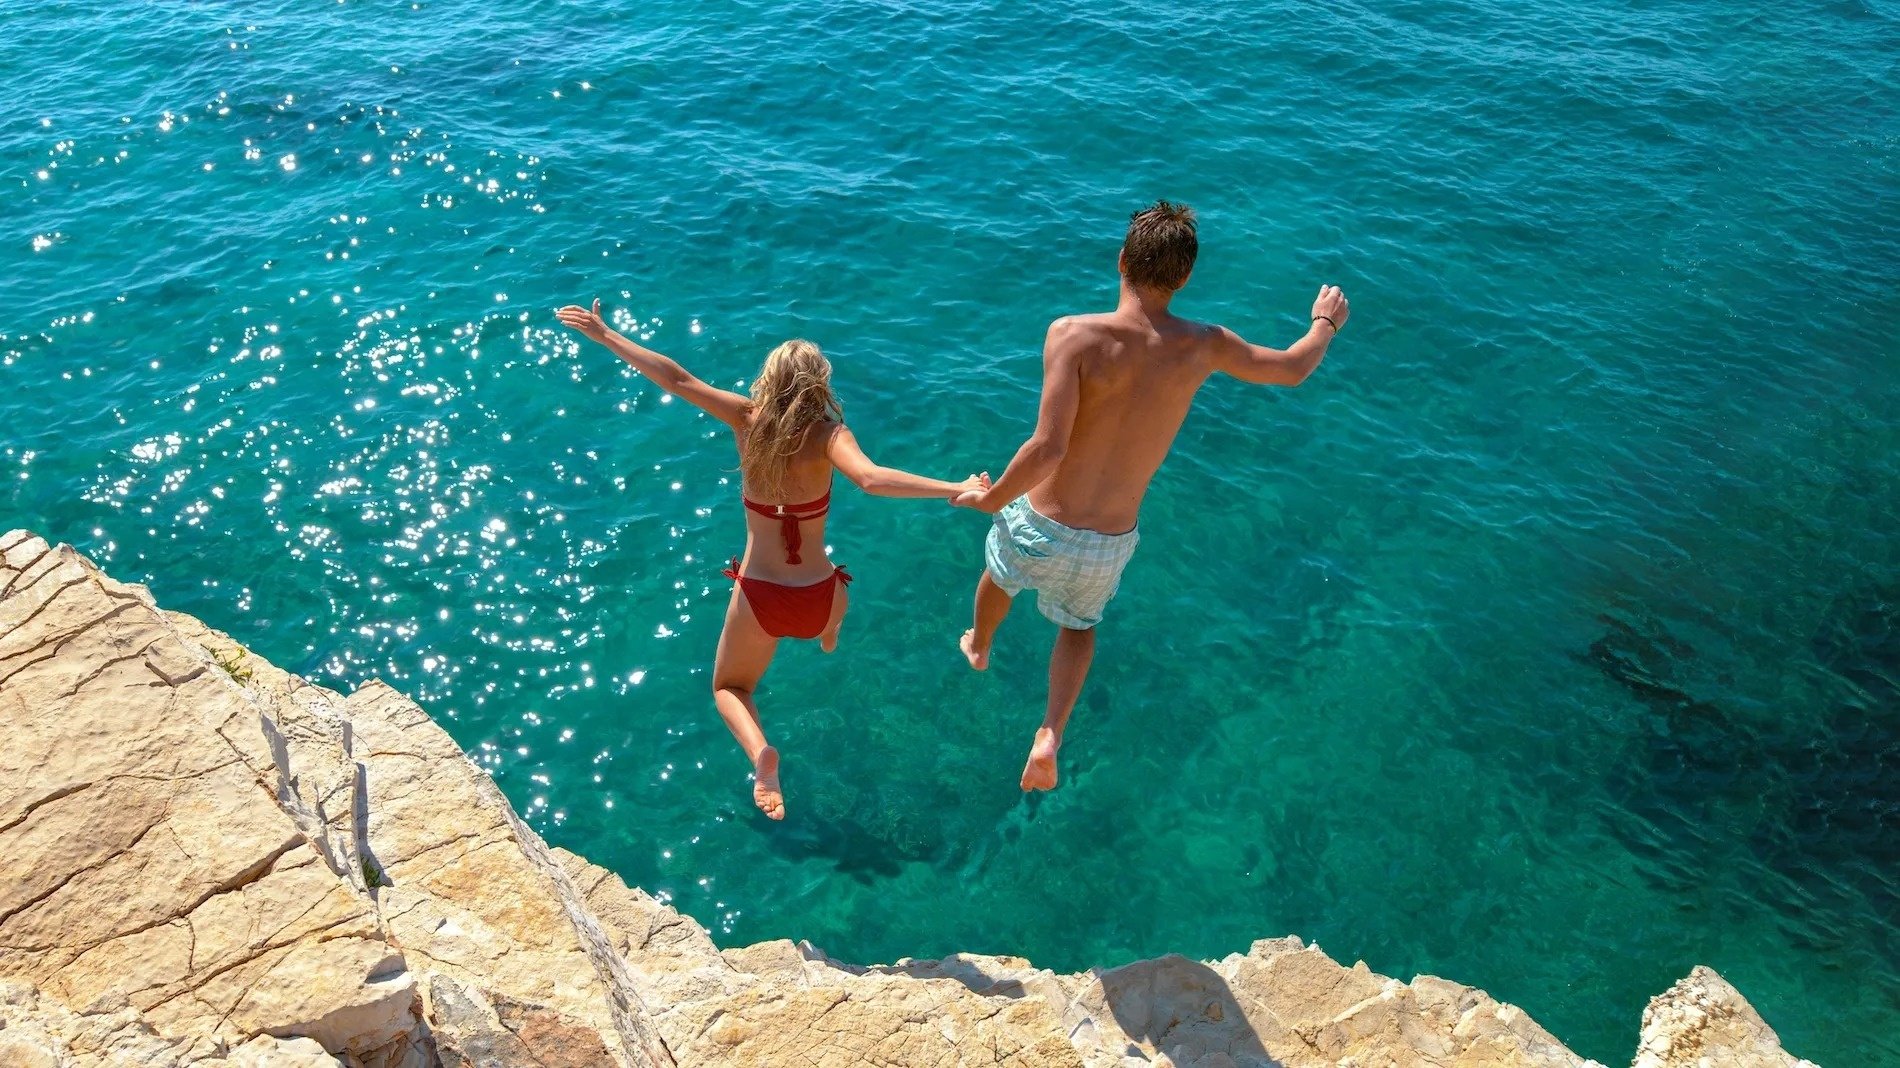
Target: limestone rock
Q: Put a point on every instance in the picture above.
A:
(987, 975)
(461, 883)
(783, 1003)
(671, 958)
(307, 752)
(37, 1031)
(475, 1028)
(476, 894)
(266, 1051)
(1703, 1022)
(190, 832)
(140, 857)
(873, 1019)
(1285, 1003)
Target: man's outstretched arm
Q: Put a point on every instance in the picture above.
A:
(1039, 456)
(1284, 367)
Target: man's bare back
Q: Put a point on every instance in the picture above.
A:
(1136, 381)
(1116, 388)
(1119, 385)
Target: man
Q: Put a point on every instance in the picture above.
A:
(1116, 387)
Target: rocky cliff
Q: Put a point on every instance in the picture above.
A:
(207, 861)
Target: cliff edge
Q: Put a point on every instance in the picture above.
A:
(207, 861)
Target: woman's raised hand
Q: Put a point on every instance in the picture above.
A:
(588, 322)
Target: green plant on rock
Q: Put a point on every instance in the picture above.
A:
(232, 663)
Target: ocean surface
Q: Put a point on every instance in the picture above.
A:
(1548, 639)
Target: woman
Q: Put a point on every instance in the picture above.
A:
(791, 435)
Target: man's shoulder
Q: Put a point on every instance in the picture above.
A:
(1082, 323)
(1106, 323)
(1205, 337)
(1081, 331)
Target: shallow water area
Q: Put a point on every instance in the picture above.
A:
(1548, 639)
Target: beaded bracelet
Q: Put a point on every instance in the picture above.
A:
(1329, 322)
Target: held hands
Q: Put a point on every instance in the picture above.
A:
(970, 491)
(589, 323)
(1331, 307)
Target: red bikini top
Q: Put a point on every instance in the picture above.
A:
(789, 516)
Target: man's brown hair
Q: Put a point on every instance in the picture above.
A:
(1160, 247)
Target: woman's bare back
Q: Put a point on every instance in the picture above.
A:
(807, 478)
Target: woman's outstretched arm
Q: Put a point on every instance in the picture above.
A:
(847, 457)
(728, 407)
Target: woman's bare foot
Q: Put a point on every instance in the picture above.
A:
(979, 659)
(1040, 772)
(765, 792)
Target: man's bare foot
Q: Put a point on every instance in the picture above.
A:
(1040, 772)
(978, 659)
(765, 792)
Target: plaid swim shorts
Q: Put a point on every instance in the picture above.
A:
(1074, 572)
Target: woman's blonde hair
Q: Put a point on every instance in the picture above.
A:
(791, 395)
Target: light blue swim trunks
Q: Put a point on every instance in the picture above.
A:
(1074, 572)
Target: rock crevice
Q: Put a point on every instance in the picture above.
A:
(207, 861)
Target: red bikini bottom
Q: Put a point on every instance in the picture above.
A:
(789, 611)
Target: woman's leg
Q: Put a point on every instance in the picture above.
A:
(840, 601)
(745, 651)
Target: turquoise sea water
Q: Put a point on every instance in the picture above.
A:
(1548, 639)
